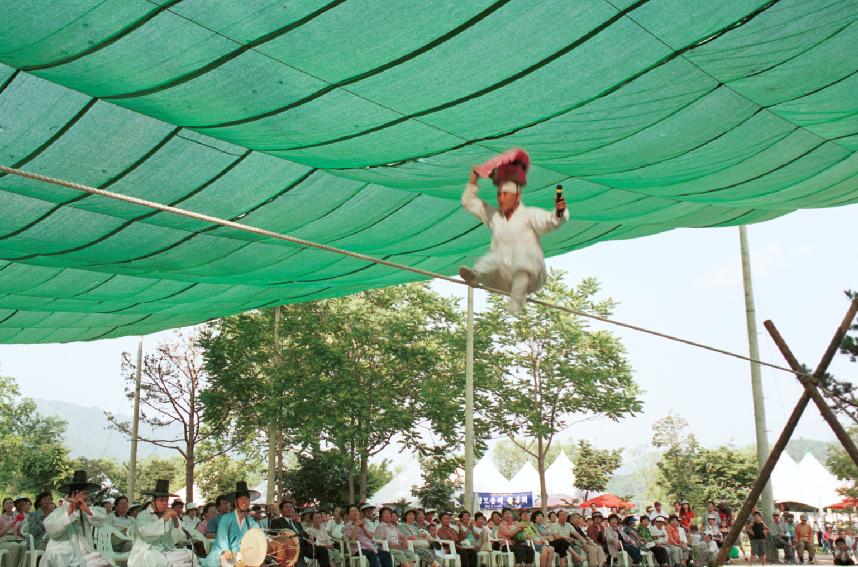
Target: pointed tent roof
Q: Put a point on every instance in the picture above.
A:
(560, 476)
(399, 487)
(525, 479)
(786, 480)
(818, 484)
(487, 478)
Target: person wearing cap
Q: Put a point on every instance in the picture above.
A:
(356, 532)
(659, 540)
(232, 527)
(70, 526)
(189, 520)
(22, 510)
(120, 521)
(156, 530)
(781, 538)
(368, 513)
(107, 504)
(515, 263)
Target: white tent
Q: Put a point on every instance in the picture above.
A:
(559, 477)
(487, 478)
(196, 494)
(786, 481)
(807, 482)
(525, 480)
(399, 487)
(820, 486)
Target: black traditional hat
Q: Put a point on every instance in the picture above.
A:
(242, 490)
(162, 488)
(79, 481)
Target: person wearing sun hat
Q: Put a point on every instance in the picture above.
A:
(232, 527)
(155, 530)
(70, 525)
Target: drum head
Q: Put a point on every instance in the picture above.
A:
(254, 547)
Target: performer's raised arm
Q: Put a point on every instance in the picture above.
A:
(474, 204)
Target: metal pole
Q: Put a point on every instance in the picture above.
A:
(469, 406)
(135, 423)
(766, 504)
(273, 425)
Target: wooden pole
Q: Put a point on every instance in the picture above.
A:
(812, 390)
(273, 425)
(135, 423)
(469, 405)
(779, 446)
(766, 503)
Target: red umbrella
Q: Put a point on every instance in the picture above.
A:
(847, 503)
(607, 501)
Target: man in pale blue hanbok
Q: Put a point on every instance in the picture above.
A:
(232, 527)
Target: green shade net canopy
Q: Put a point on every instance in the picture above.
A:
(354, 123)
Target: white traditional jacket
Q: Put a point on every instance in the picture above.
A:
(70, 540)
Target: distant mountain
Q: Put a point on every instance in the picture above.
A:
(88, 432)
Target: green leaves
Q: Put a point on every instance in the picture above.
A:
(36, 459)
(594, 467)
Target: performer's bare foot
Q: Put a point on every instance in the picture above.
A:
(469, 276)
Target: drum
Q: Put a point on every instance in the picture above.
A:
(253, 548)
(284, 548)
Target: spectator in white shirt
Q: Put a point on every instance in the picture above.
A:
(323, 545)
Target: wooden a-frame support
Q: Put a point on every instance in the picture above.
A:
(811, 392)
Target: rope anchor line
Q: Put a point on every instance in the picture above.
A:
(374, 260)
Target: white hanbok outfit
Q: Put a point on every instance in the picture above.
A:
(154, 543)
(515, 262)
(70, 542)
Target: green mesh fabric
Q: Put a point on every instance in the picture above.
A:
(354, 123)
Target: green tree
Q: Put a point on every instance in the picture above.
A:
(724, 474)
(152, 468)
(321, 478)
(843, 467)
(219, 474)
(442, 477)
(36, 459)
(675, 470)
(376, 366)
(552, 370)
(595, 467)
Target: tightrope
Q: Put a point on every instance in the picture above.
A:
(371, 259)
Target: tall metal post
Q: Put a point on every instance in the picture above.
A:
(766, 504)
(135, 423)
(469, 405)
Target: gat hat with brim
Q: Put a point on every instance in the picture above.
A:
(242, 490)
(79, 481)
(162, 489)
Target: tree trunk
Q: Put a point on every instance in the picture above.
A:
(364, 470)
(540, 466)
(278, 490)
(352, 474)
(189, 472)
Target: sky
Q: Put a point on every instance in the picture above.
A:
(685, 282)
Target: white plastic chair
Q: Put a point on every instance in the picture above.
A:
(450, 557)
(358, 557)
(3, 555)
(498, 555)
(411, 549)
(104, 545)
(31, 556)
